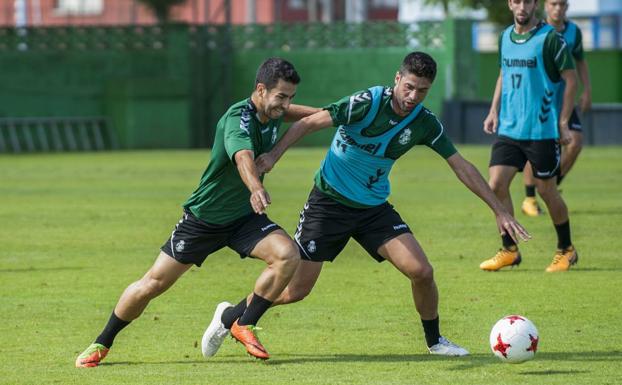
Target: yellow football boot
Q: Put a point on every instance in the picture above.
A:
(530, 207)
(563, 259)
(503, 258)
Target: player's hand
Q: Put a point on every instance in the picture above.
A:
(508, 225)
(260, 199)
(585, 101)
(265, 163)
(491, 123)
(564, 134)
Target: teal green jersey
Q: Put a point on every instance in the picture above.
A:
(574, 38)
(375, 131)
(222, 197)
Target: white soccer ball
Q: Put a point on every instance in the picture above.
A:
(514, 339)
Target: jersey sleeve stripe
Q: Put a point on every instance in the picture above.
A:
(350, 108)
(245, 120)
(440, 133)
(561, 50)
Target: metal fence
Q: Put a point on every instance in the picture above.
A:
(56, 134)
(464, 123)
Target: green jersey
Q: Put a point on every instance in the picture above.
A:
(425, 129)
(557, 57)
(222, 197)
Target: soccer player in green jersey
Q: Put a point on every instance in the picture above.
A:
(349, 199)
(227, 209)
(531, 108)
(556, 16)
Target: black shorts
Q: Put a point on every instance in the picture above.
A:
(575, 123)
(544, 155)
(193, 239)
(326, 225)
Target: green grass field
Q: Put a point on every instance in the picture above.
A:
(76, 229)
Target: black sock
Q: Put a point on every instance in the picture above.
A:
(254, 311)
(508, 242)
(233, 313)
(431, 330)
(530, 191)
(563, 235)
(114, 326)
(560, 177)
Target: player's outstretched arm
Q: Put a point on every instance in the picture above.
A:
(492, 120)
(245, 162)
(312, 123)
(471, 177)
(296, 112)
(570, 78)
(585, 101)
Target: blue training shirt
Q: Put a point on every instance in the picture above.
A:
(530, 100)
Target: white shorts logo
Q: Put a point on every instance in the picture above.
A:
(268, 227)
(311, 247)
(179, 247)
(399, 227)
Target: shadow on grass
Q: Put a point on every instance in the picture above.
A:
(576, 269)
(35, 269)
(456, 363)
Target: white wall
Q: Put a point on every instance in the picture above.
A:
(414, 10)
(593, 7)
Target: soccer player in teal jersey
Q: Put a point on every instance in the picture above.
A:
(227, 209)
(349, 198)
(530, 110)
(556, 17)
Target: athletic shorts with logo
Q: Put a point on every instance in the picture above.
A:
(326, 225)
(544, 155)
(575, 123)
(193, 239)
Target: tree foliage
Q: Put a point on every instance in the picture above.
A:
(161, 8)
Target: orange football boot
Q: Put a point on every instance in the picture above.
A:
(91, 357)
(503, 258)
(563, 259)
(246, 335)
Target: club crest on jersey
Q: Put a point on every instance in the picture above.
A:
(405, 137)
(311, 247)
(274, 134)
(179, 246)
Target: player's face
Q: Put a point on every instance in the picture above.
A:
(556, 10)
(409, 91)
(523, 10)
(276, 101)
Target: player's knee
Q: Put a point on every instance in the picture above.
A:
(286, 254)
(548, 192)
(576, 145)
(500, 189)
(422, 274)
(149, 288)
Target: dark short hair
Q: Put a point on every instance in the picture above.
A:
(419, 64)
(273, 69)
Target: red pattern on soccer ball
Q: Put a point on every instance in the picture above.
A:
(502, 347)
(534, 344)
(514, 318)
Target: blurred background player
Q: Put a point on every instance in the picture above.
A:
(556, 17)
(525, 111)
(349, 199)
(227, 209)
